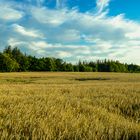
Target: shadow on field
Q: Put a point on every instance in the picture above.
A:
(92, 79)
(25, 81)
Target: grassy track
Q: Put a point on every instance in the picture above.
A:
(92, 106)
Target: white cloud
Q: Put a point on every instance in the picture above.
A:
(67, 35)
(46, 16)
(7, 13)
(38, 45)
(15, 42)
(63, 54)
(134, 35)
(27, 32)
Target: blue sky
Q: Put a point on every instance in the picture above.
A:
(73, 29)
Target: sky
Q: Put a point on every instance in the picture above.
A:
(73, 29)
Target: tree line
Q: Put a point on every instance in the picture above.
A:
(13, 60)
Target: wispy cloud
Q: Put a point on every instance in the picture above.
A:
(27, 32)
(40, 2)
(58, 4)
(102, 4)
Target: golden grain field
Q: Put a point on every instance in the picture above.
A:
(69, 106)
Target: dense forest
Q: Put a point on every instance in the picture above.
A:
(13, 60)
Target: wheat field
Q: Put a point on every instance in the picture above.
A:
(69, 106)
